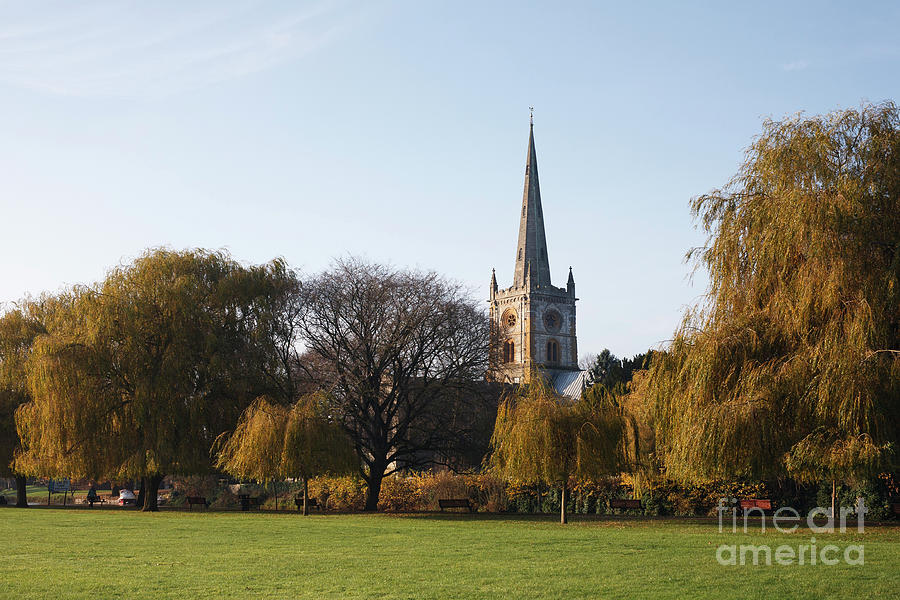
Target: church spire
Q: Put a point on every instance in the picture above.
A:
(531, 253)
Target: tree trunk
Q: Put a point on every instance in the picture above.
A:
(562, 505)
(21, 493)
(833, 499)
(150, 489)
(305, 496)
(142, 494)
(373, 489)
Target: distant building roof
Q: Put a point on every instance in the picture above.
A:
(569, 383)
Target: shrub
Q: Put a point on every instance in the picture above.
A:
(414, 492)
(406, 493)
(341, 493)
(207, 486)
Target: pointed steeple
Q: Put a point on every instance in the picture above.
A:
(570, 284)
(493, 282)
(531, 253)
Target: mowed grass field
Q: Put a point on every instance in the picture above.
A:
(54, 553)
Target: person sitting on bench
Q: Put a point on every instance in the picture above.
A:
(92, 496)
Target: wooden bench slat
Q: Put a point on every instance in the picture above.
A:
(625, 503)
(248, 502)
(310, 502)
(455, 503)
(192, 500)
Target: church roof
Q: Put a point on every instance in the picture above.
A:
(532, 262)
(569, 383)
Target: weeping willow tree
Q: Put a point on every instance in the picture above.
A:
(60, 428)
(792, 363)
(18, 329)
(273, 442)
(644, 465)
(138, 374)
(542, 438)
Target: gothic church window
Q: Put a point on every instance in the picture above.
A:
(509, 351)
(552, 351)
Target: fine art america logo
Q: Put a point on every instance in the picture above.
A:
(787, 520)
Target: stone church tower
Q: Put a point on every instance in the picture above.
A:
(533, 322)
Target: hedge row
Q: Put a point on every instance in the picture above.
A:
(421, 492)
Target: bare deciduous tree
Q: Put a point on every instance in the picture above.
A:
(393, 348)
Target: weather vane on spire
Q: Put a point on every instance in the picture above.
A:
(531, 115)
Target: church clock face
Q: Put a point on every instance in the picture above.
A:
(552, 321)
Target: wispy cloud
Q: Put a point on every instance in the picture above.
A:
(796, 65)
(107, 48)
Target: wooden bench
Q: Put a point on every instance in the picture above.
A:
(455, 503)
(92, 500)
(625, 503)
(248, 502)
(192, 500)
(896, 508)
(763, 504)
(310, 502)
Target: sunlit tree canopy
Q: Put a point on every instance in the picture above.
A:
(793, 360)
(273, 442)
(138, 374)
(18, 329)
(543, 438)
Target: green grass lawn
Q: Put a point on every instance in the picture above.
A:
(111, 553)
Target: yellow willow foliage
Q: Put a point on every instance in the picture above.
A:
(800, 330)
(18, 329)
(314, 444)
(53, 427)
(640, 435)
(136, 375)
(818, 456)
(275, 442)
(540, 437)
(255, 448)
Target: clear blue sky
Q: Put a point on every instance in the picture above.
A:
(397, 131)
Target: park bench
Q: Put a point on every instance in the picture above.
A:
(895, 507)
(763, 504)
(625, 503)
(310, 502)
(92, 500)
(248, 502)
(192, 500)
(455, 503)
